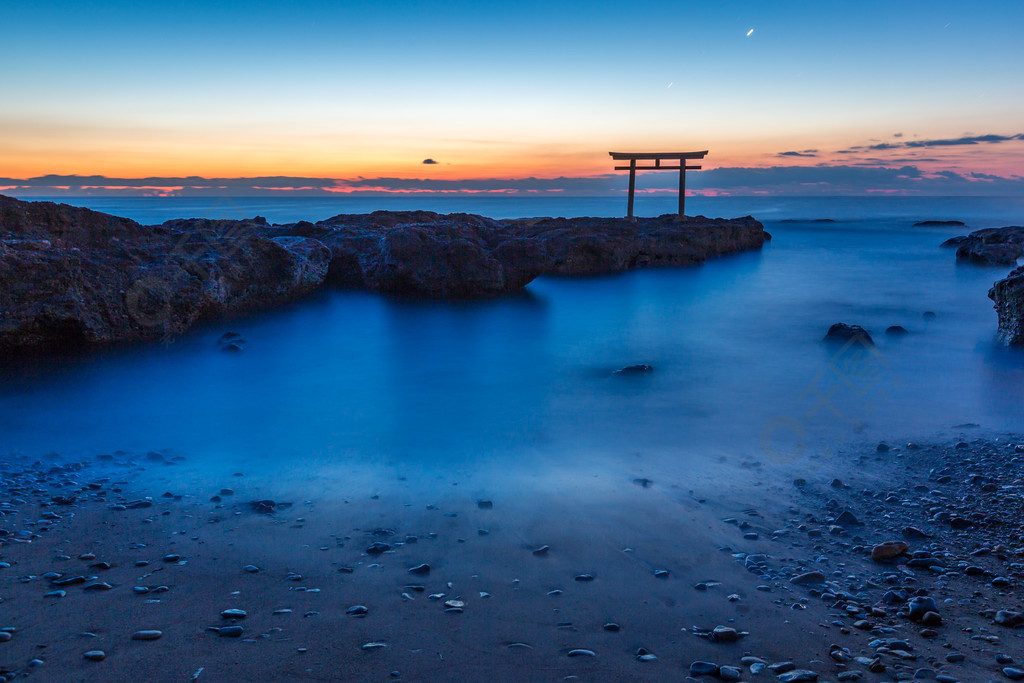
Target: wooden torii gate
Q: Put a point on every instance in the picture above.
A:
(657, 157)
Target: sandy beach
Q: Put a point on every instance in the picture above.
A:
(384, 584)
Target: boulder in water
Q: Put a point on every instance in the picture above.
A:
(634, 370)
(992, 246)
(842, 333)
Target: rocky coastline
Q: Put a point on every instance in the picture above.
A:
(73, 277)
(999, 247)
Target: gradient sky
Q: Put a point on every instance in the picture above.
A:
(506, 90)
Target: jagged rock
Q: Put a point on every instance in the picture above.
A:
(992, 246)
(1008, 295)
(72, 276)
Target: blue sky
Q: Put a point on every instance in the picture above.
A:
(510, 90)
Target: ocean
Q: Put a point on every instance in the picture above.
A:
(521, 388)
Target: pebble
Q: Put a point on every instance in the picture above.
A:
(95, 655)
(808, 577)
(357, 611)
(582, 653)
(730, 673)
(420, 569)
(888, 550)
(147, 635)
(724, 634)
(700, 668)
(799, 676)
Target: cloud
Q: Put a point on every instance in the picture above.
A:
(820, 179)
(941, 142)
(973, 140)
(805, 153)
(429, 161)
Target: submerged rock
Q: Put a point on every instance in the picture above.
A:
(936, 224)
(842, 332)
(634, 370)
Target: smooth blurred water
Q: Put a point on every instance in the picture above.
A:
(525, 381)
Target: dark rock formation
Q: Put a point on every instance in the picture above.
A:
(938, 224)
(634, 370)
(71, 276)
(1008, 295)
(594, 246)
(896, 331)
(992, 246)
(842, 333)
(425, 253)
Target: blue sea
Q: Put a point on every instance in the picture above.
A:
(522, 389)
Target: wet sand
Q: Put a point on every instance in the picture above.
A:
(730, 553)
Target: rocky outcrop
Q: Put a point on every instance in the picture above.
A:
(454, 255)
(595, 246)
(1008, 295)
(425, 253)
(70, 276)
(991, 246)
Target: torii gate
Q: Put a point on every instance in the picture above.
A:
(681, 157)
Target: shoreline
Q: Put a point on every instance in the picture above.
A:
(521, 610)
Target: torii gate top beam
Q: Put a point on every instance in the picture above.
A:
(657, 157)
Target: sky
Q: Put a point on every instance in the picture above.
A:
(515, 96)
